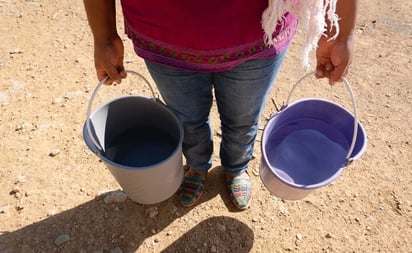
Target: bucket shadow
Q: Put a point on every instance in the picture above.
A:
(216, 234)
(96, 226)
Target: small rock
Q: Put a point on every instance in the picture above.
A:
(16, 51)
(20, 179)
(255, 172)
(4, 209)
(221, 227)
(54, 152)
(58, 100)
(51, 212)
(152, 212)
(25, 126)
(173, 209)
(328, 235)
(62, 239)
(14, 191)
(213, 249)
(115, 197)
(102, 193)
(299, 236)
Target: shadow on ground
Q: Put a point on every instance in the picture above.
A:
(95, 226)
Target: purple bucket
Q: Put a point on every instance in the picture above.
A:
(307, 144)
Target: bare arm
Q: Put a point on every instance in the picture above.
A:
(108, 47)
(335, 56)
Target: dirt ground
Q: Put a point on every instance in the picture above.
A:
(53, 190)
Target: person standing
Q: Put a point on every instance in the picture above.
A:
(231, 50)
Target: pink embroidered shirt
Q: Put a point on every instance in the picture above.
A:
(207, 36)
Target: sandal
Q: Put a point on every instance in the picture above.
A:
(192, 188)
(240, 191)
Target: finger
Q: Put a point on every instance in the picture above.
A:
(337, 74)
(122, 71)
(323, 67)
(319, 72)
(114, 75)
(101, 74)
(324, 71)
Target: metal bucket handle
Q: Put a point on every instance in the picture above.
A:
(94, 93)
(355, 111)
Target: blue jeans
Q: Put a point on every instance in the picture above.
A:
(240, 95)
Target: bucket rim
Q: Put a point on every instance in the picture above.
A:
(302, 100)
(360, 127)
(95, 150)
(265, 136)
(103, 104)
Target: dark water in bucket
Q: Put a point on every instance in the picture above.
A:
(141, 146)
(307, 156)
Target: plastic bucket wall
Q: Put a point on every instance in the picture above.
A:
(289, 179)
(151, 183)
(148, 184)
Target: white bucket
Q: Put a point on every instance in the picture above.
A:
(140, 141)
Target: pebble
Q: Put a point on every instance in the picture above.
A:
(62, 239)
(25, 126)
(173, 209)
(152, 212)
(115, 197)
(328, 235)
(255, 172)
(4, 209)
(299, 236)
(221, 227)
(14, 191)
(213, 249)
(54, 152)
(58, 100)
(16, 51)
(20, 179)
(51, 212)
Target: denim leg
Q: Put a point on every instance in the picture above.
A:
(189, 96)
(241, 95)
